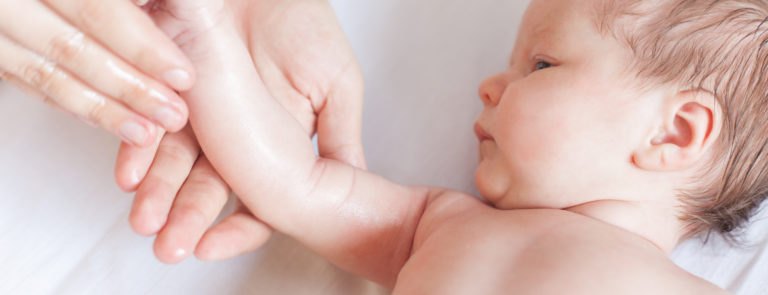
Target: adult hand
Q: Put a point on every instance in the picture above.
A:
(304, 61)
(103, 61)
(180, 198)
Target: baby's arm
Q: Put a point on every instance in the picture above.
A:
(359, 221)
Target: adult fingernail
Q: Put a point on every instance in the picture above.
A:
(178, 79)
(168, 117)
(133, 132)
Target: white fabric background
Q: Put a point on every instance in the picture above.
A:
(63, 222)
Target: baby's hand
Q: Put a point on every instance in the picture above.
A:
(303, 60)
(180, 198)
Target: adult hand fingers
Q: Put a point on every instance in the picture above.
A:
(133, 163)
(50, 36)
(339, 123)
(28, 89)
(137, 40)
(236, 234)
(174, 159)
(196, 207)
(34, 93)
(73, 96)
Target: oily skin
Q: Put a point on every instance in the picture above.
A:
(103, 62)
(304, 61)
(431, 241)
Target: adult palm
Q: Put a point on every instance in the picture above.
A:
(303, 60)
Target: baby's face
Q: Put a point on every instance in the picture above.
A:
(561, 123)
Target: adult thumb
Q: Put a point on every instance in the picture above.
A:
(133, 163)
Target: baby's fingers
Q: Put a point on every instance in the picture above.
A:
(197, 205)
(237, 234)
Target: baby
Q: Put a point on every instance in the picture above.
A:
(618, 129)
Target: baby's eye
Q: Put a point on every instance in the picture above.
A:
(542, 65)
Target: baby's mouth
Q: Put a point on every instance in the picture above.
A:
(481, 134)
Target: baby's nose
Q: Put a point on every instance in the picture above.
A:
(491, 89)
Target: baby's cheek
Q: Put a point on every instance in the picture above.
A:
(524, 154)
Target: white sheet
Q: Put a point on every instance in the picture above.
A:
(63, 223)
(741, 269)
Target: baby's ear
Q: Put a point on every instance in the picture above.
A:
(690, 123)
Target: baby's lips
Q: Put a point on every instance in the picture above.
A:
(481, 134)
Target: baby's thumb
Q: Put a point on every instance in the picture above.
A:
(351, 154)
(339, 126)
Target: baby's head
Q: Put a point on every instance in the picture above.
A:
(652, 103)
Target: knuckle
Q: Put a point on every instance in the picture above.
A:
(89, 107)
(40, 75)
(192, 213)
(133, 91)
(92, 14)
(176, 152)
(26, 88)
(207, 182)
(145, 55)
(66, 48)
(156, 188)
(95, 109)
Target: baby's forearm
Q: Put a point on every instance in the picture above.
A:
(358, 220)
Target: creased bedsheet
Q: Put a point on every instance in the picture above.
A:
(63, 223)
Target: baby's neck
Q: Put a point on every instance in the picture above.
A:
(657, 224)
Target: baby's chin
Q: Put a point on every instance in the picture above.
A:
(490, 190)
(499, 195)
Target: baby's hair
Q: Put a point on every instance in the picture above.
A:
(717, 46)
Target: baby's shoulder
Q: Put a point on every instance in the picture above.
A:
(457, 211)
(537, 252)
